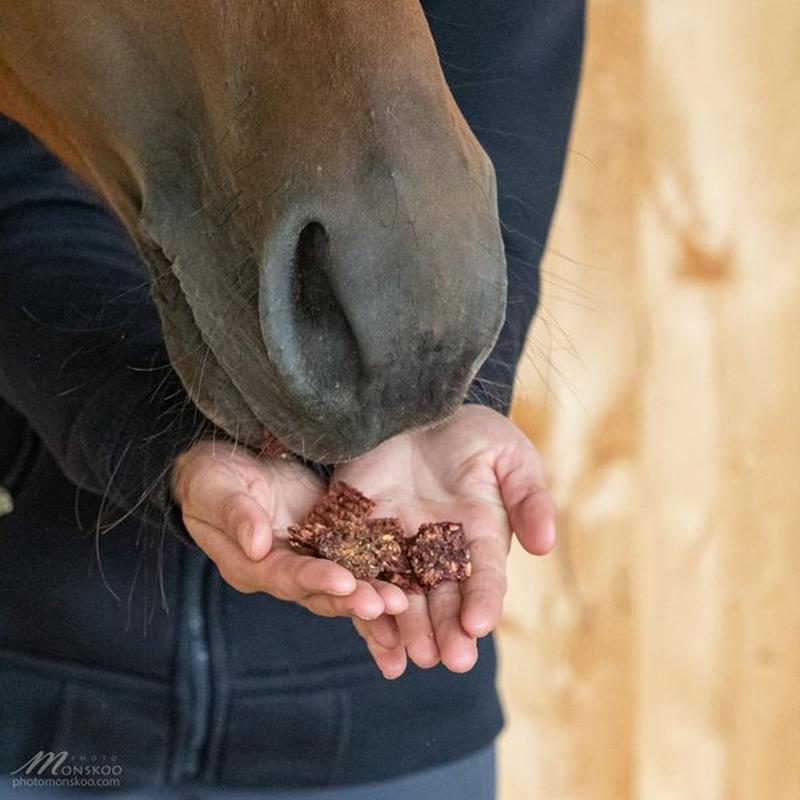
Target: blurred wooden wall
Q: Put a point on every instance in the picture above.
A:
(656, 654)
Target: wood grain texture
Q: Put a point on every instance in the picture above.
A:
(656, 654)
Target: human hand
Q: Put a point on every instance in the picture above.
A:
(237, 509)
(476, 468)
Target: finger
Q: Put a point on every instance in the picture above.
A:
(246, 521)
(394, 598)
(215, 494)
(458, 649)
(417, 633)
(367, 602)
(283, 573)
(234, 567)
(391, 662)
(350, 606)
(483, 592)
(291, 576)
(530, 508)
(384, 631)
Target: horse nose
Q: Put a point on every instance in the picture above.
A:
(368, 333)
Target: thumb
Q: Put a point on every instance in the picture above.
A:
(529, 506)
(209, 489)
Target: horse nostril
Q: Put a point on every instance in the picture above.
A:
(327, 347)
(311, 291)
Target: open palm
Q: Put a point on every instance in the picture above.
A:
(479, 469)
(237, 509)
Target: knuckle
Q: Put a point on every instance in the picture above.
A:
(282, 594)
(304, 573)
(318, 606)
(281, 590)
(495, 576)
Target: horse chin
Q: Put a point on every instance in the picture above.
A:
(217, 397)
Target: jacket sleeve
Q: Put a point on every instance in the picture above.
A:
(513, 67)
(81, 351)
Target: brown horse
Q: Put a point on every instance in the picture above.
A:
(318, 221)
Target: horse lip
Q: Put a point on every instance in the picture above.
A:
(247, 431)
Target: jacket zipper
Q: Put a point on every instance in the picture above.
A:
(195, 669)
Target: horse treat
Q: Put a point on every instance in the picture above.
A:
(339, 528)
(439, 553)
